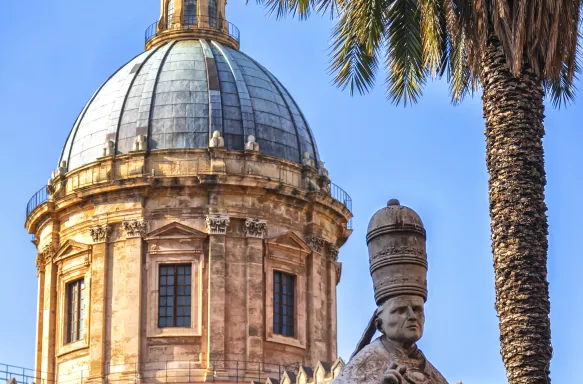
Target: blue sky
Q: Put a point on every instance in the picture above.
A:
(56, 53)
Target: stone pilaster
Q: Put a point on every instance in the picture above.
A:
(48, 343)
(332, 258)
(97, 336)
(41, 265)
(217, 228)
(318, 330)
(255, 231)
(127, 277)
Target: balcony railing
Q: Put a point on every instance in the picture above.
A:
(194, 22)
(41, 197)
(234, 371)
(340, 195)
(182, 167)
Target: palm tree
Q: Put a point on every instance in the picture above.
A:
(517, 52)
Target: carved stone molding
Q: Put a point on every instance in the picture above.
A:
(100, 233)
(40, 263)
(217, 224)
(332, 253)
(255, 228)
(316, 243)
(135, 228)
(44, 257)
(48, 253)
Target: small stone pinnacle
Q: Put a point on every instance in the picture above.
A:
(393, 202)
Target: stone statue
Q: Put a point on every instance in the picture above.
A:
(140, 143)
(108, 148)
(398, 265)
(251, 144)
(216, 141)
(307, 160)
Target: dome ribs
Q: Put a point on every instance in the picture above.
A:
(214, 86)
(73, 132)
(136, 72)
(276, 84)
(153, 99)
(176, 94)
(247, 113)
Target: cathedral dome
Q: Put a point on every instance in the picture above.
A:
(176, 94)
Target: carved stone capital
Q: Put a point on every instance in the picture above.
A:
(135, 228)
(255, 228)
(332, 253)
(44, 257)
(40, 263)
(48, 253)
(316, 243)
(217, 224)
(100, 233)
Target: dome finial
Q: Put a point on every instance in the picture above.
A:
(393, 202)
(192, 18)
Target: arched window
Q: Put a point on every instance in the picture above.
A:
(213, 13)
(190, 12)
(170, 17)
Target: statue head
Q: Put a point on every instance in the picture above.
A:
(401, 319)
(216, 134)
(251, 139)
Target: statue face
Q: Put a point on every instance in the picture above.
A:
(402, 319)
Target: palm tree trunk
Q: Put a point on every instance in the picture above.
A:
(514, 113)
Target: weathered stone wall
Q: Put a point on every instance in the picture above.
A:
(115, 226)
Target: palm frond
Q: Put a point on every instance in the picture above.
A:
(432, 34)
(301, 8)
(404, 55)
(357, 38)
(562, 92)
(462, 81)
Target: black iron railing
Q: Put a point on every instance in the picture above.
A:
(37, 199)
(236, 371)
(193, 22)
(343, 197)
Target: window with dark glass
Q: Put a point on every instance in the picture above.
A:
(75, 310)
(190, 12)
(170, 17)
(213, 13)
(283, 303)
(175, 286)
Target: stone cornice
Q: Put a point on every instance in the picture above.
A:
(251, 171)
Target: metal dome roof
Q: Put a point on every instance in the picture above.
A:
(178, 93)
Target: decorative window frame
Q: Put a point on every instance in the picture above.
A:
(174, 243)
(74, 263)
(287, 253)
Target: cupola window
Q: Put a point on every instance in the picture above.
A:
(190, 12)
(213, 13)
(75, 310)
(283, 303)
(175, 295)
(170, 13)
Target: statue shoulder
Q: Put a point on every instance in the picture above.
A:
(367, 366)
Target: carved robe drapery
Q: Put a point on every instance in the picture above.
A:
(370, 364)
